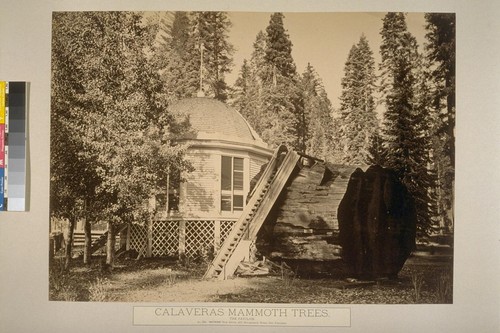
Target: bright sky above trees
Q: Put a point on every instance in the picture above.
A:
(323, 39)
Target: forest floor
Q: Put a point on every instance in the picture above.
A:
(424, 279)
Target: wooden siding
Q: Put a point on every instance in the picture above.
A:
(255, 165)
(202, 187)
(200, 194)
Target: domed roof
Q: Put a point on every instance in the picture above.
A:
(212, 119)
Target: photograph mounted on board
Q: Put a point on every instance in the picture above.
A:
(302, 158)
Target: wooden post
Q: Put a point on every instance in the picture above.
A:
(217, 236)
(128, 236)
(149, 239)
(110, 245)
(182, 240)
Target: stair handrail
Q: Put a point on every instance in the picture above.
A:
(291, 156)
(259, 186)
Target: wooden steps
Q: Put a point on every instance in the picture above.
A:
(262, 199)
(100, 241)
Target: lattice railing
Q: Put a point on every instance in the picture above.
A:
(139, 239)
(165, 238)
(225, 229)
(199, 238)
(189, 238)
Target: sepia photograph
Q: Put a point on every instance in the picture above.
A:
(260, 166)
(243, 157)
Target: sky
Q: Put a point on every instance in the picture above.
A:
(322, 39)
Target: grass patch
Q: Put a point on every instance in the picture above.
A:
(422, 280)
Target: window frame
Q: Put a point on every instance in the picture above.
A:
(229, 195)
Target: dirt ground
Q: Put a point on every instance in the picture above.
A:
(423, 279)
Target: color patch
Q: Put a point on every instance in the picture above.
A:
(13, 102)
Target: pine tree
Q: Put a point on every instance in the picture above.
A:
(279, 49)
(210, 31)
(178, 58)
(357, 110)
(318, 112)
(249, 91)
(283, 101)
(405, 121)
(441, 62)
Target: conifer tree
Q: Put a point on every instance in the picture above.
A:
(441, 63)
(404, 126)
(178, 59)
(249, 89)
(319, 122)
(283, 101)
(210, 32)
(357, 109)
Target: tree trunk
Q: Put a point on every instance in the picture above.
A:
(69, 242)
(88, 242)
(110, 245)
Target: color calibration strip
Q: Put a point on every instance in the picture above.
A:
(13, 107)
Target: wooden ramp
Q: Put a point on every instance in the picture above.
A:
(262, 199)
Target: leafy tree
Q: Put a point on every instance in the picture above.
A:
(357, 109)
(405, 121)
(116, 118)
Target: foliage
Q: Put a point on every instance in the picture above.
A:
(441, 63)
(357, 109)
(281, 105)
(319, 129)
(405, 127)
(177, 57)
(189, 38)
(441, 52)
(114, 141)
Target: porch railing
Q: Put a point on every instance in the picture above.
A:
(183, 238)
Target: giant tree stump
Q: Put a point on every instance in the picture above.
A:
(377, 222)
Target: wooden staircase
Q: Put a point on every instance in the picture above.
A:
(262, 199)
(101, 241)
